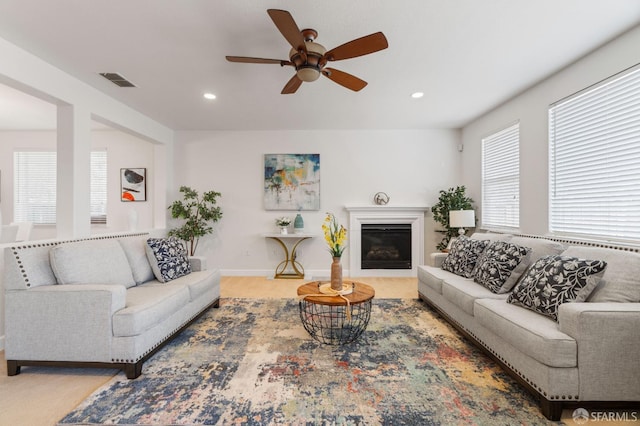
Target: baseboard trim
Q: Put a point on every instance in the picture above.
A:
(309, 274)
(246, 272)
(316, 274)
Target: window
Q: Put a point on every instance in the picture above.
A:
(35, 187)
(594, 156)
(98, 187)
(501, 179)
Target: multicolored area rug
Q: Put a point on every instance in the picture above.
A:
(251, 362)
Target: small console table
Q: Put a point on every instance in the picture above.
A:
(289, 257)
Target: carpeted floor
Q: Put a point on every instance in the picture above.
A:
(251, 362)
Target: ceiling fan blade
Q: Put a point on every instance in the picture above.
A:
(288, 27)
(247, 60)
(344, 79)
(358, 47)
(292, 85)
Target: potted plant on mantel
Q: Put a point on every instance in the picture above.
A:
(199, 214)
(452, 199)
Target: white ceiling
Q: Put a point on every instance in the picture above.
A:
(467, 56)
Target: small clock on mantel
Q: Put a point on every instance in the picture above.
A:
(381, 199)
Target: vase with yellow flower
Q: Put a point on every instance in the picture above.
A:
(336, 236)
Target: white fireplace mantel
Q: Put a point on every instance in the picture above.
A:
(393, 214)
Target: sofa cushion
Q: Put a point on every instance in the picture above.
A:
(135, 250)
(495, 267)
(28, 266)
(168, 258)
(532, 334)
(432, 277)
(148, 305)
(463, 256)
(554, 280)
(91, 262)
(491, 236)
(200, 282)
(540, 247)
(463, 292)
(620, 282)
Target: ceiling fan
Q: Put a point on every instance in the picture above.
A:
(310, 58)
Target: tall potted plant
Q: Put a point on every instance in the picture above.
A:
(452, 199)
(199, 214)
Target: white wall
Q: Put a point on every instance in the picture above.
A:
(531, 109)
(410, 166)
(26, 72)
(123, 151)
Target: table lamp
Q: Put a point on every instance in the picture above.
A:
(462, 219)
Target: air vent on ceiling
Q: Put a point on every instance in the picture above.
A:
(117, 79)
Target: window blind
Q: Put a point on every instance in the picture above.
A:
(35, 187)
(501, 179)
(99, 187)
(594, 157)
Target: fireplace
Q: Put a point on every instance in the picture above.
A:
(361, 218)
(386, 246)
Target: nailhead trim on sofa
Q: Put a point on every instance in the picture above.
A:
(16, 249)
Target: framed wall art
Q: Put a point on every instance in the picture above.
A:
(133, 184)
(292, 181)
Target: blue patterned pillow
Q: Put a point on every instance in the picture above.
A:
(554, 280)
(168, 258)
(463, 256)
(496, 266)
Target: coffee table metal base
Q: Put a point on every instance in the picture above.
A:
(329, 323)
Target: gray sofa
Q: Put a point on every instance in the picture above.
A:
(98, 302)
(588, 356)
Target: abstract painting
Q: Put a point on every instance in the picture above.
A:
(292, 181)
(133, 184)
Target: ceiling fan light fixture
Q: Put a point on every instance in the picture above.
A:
(310, 58)
(308, 63)
(308, 74)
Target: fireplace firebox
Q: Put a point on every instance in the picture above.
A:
(386, 246)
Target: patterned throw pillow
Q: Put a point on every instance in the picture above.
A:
(554, 280)
(495, 267)
(168, 258)
(463, 256)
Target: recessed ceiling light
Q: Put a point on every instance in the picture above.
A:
(417, 95)
(209, 96)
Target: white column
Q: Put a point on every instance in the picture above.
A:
(161, 175)
(73, 215)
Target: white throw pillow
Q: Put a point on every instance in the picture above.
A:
(136, 250)
(91, 262)
(620, 281)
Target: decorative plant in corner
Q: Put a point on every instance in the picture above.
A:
(452, 199)
(199, 214)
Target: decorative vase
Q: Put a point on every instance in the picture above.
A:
(336, 274)
(284, 230)
(298, 224)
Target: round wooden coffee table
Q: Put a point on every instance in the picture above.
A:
(335, 320)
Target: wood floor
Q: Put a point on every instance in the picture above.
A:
(41, 396)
